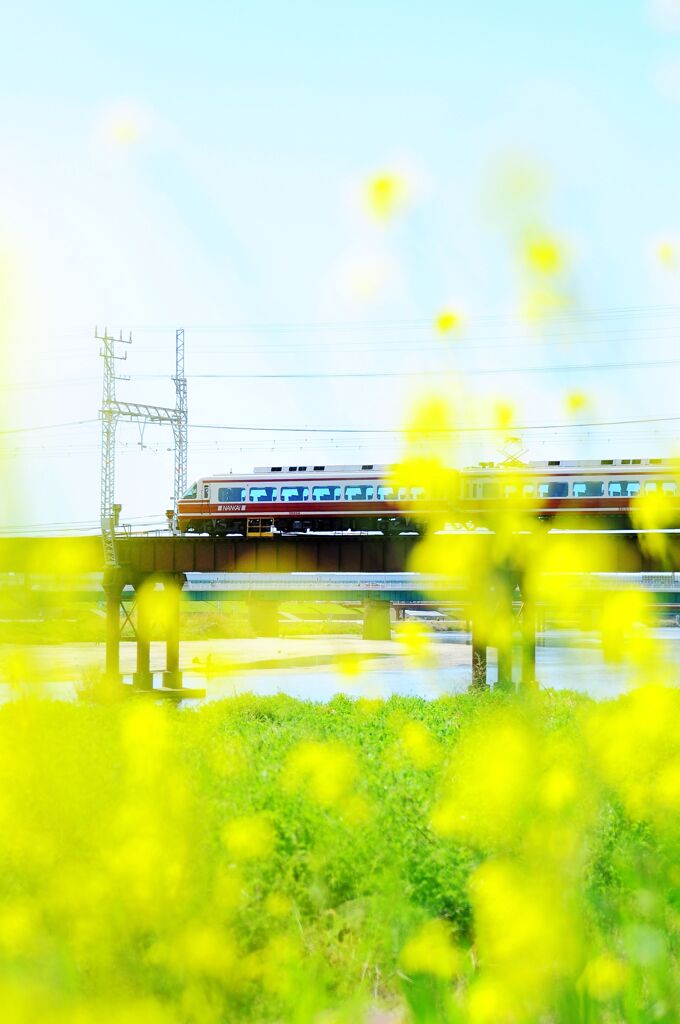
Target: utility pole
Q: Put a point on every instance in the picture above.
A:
(181, 426)
(109, 417)
(112, 411)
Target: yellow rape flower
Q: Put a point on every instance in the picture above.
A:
(447, 321)
(604, 977)
(622, 613)
(325, 771)
(490, 786)
(203, 949)
(527, 936)
(419, 745)
(431, 950)
(385, 194)
(278, 904)
(249, 837)
(576, 402)
(416, 641)
(667, 254)
(544, 254)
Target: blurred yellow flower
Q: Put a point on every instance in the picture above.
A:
(356, 810)
(490, 785)
(205, 949)
(416, 641)
(385, 194)
(431, 950)
(419, 745)
(576, 402)
(540, 303)
(544, 254)
(249, 837)
(604, 977)
(503, 415)
(324, 771)
(527, 935)
(622, 613)
(667, 254)
(447, 321)
(278, 904)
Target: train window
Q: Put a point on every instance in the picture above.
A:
(294, 493)
(510, 491)
(555, 489)
(262, 494)
(231, 494)
(403, 494)
(529, 490)
(325, 493)
(665, 486)
(206, 492)
(417, 493)
(385, 493)
(588, 488)
(192, 492)
(359, 492)
(623, 488)
(491, 491)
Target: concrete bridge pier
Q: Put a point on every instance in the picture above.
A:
(479, 656)
(150, 603)
(504, 589)
(113, 588)
(145, 591)
(172, 586)
(529, 624)
(501, 633)
(377, 620)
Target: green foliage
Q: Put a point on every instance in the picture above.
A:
(269, 859)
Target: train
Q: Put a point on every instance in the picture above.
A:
(309, 499)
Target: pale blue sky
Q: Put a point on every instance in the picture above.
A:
(238, 200)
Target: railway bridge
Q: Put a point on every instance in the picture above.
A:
(493, 569)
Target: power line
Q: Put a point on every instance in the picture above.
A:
(577, 315)
(452, 430)
(475, 371)
(366, 430)
(48, 426)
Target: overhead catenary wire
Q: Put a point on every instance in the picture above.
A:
(248, 428)
(434, 431)
(474, 371)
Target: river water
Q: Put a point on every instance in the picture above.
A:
(563, 661)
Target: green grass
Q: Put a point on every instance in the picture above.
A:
(269, 859)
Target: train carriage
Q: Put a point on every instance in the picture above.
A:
(304, 499)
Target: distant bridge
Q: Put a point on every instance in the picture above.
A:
(495, 567)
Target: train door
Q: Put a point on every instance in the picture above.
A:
(260, 527)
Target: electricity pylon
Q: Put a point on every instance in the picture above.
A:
(112, 411)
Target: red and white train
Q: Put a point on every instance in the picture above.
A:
(302, 499)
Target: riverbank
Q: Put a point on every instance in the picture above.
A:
(316, 667)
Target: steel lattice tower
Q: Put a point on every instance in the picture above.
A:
(181, 426)
(132, 412)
